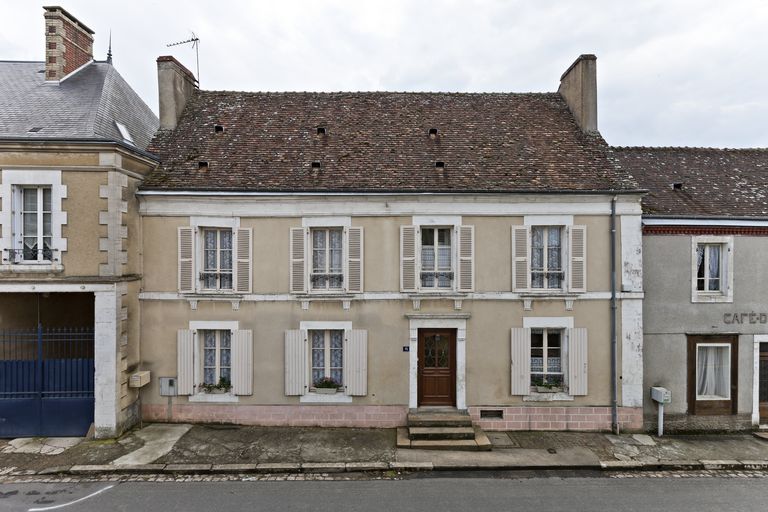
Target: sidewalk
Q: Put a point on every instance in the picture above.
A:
(180, 449)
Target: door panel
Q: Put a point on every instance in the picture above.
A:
(763, 383)
(437, 367)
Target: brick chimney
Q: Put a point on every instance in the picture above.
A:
(68, 44)
(175, 85)
(578, 86)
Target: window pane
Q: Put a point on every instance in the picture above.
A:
(444, 237)
(226, 239)
(427, 258)
(210, 376)
(427, 236)
(225, 281)
(338, 376)
(46, 224)
(209, 355)
(700, 284)
(335, 263)
(553, 237)
(537, 339)
(225, 357)
(713, 372)
(336, 238)
(334, 282)
(537, 236)
(226, 374)
(553, 339)
(337, 339)
(209, 339)
(210, 239)
(47, 199)
(226, 260)
(714, 267)
(30, 224)
(30, 200)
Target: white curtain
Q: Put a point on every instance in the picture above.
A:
(713, 371)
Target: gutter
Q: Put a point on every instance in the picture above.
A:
(407, 192)
(83, 142)
(614, 380)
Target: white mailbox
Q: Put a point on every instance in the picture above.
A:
(661, 395)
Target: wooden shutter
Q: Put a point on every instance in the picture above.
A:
(243, 251)
(185, 366)
(242, 362)
(577, 361)
(186, 260)
(298, 258)
(408, 267)
(577, 243)
(356, 362)
(466, 267)
(296, 369)
(521, 268)
(17, 230)
(520, 351)
(354, 277)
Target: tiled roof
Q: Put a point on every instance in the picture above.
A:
(84, 106)
(710, 182)
(379, 142)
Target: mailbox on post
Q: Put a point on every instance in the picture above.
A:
(661, 396)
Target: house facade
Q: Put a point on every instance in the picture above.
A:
(342, 259)
(73, 138)
(705, 323)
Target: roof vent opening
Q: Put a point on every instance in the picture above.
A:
(217, 128)
(439, 165)
(321, 130)
(432, 133)
(315, 165)
(677, 186)
(202, 165)
(35, 129)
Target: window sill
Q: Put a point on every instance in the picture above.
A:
(448, 294)
(219, 398)
(33, 268)
(228, 294)
(325, 294)
(320, 398)
(535, 396)
(549, 293)
(711, 298)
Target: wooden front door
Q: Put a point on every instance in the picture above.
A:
(763, 383)
(437, 367)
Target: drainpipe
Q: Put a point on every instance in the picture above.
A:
(614, 380)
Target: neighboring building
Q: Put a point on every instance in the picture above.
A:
(73, 138)
(705, 236)
(419, 249)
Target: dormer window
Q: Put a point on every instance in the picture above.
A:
(321, 130)
(432, 133)
(439, 165)
(124, 133)
(217, 128)
(315, 166)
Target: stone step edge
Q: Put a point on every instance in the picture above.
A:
(314, 467)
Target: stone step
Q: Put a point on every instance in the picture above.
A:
(439, 420)
(446, 444)
(438, 433)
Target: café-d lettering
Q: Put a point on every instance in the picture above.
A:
(745, 318)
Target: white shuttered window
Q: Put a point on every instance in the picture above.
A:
(326, 259)
(552, 358)
(437, 258)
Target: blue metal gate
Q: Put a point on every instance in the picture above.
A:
(46, 382)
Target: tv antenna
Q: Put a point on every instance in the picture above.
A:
(196, 45)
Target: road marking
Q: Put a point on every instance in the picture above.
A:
(72, 502)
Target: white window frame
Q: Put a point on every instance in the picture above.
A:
(544, 348)
(217, 270)
(197, 357)
(312, 396)
(311, 263)
(329, 222)
(725, 294)
(40, 212)
(199, 224)
(563, 258)
(436, 270)
(562, 323)
(728, 366)
(452, 222)
(217, 366)
(326, 356)
(11, 182)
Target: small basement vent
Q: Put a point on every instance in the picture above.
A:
(492, 413)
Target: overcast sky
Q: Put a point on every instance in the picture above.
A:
(670, 73)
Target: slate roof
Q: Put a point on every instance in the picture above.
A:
(84, 106)
(714, 182)
(379, 142)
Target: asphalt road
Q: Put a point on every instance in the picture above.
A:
(417, 494)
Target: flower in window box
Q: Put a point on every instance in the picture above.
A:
(326, 385)
(223, 386)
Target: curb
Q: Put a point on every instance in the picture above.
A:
(358, 467)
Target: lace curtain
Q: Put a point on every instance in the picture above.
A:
(713, 372)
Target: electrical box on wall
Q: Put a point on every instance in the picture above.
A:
(167, 386)
(139, 379)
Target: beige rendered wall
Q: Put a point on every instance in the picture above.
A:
(382, 252)
(82, 229)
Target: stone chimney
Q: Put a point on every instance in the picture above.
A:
(175, 85)
(68, 44)
(578, 86)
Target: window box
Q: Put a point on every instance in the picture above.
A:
(326, 391)
(545, 389)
